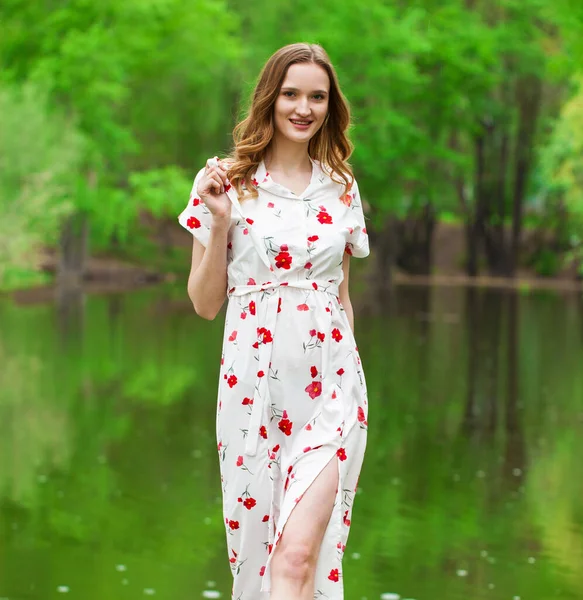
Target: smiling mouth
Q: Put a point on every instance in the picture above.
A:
(296, 122)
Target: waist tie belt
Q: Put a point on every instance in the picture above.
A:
(261, 393)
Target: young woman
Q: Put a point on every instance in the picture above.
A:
(274, 227)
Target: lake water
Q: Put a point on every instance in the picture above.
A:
(472, 486)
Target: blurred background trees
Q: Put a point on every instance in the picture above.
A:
(466, 113)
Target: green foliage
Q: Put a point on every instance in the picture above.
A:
(154, 87)
(562, 169)
(40, 157)
(546, 262)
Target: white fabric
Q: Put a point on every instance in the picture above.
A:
(292, 393)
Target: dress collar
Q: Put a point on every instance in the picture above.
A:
(264, 181)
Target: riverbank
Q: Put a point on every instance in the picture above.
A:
(114, 274)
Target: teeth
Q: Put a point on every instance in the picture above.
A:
(300, 122)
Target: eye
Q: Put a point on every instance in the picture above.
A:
(288, 93)
(318, 96)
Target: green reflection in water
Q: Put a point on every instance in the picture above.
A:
(109, 479)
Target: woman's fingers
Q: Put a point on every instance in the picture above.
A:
(212, 166)
(220, 182)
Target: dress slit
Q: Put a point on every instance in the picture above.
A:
(329, 454)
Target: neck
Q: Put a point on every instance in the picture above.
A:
(286, 156)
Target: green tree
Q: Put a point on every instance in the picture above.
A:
(40, 153)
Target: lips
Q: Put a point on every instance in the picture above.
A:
(300, 122)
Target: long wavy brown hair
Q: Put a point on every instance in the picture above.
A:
(252, 136)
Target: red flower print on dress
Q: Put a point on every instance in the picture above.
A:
(346, 199)
(254, 182)
(308, 265)
(279, 306)
(195, 201)
(284, 248)
(228, 186)
(263, 432)
(290, 476)
(313, 238)
(336, 335)
(233, 336)
(340, 372)
(241, 464)
(285, 425)
(346, 519)
(193, 223)
(264, 335)
(361, 416)
(234, 524)
(232, 381)
(249, 503)
(251, 281)
(348, 249)
(283, 260)
(334, 575)
(247, 401)
(260, 374)
(262, 571)
(256, 345)
(303, 307)
(324, 218)
(341, 454)
(243, 315)
(265, 519)
(252, 307)
(250, 221)
(314, 389)
(317, 343)
(314, 285)
(270, 205)
(313, 372)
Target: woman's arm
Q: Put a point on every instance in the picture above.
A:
(207, 282)
(343, 291)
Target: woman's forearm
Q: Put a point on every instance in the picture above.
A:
(347, 305)
(207, 283)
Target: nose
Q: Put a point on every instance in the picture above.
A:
(303, 107)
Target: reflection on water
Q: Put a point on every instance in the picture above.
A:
(109, 484)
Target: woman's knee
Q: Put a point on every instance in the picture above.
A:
(295, 561)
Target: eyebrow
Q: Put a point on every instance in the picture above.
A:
(293, 89)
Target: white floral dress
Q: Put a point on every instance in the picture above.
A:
(292, 394)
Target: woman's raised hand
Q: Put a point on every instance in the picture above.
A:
(211, 188)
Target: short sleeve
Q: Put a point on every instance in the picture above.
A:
(357, 243)
(196, 217)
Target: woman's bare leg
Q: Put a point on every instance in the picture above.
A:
(293, 566)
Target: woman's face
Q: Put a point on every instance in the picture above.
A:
(302, 103)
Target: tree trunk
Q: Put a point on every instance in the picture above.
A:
(475, 226)
(415, 235)
(385, 245)
(528, 94)
(73, 250)
(74, 245)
